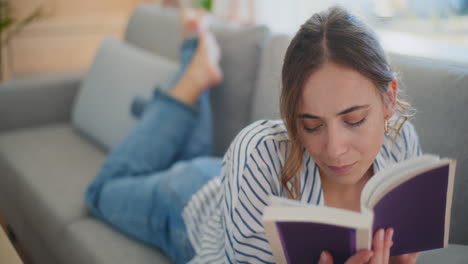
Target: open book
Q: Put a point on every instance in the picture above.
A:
(413, 197)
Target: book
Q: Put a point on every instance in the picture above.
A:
(413, 197)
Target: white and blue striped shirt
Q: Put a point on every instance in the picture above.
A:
(223, 218)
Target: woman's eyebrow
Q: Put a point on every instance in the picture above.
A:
(346, 111)
(352, 108)
(307, 116)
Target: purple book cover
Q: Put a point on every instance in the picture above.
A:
(304, 241)
(416, 210)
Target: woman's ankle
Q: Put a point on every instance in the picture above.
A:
(187, 90)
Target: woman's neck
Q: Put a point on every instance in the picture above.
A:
(345, 196)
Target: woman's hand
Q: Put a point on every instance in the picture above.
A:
(381, 243)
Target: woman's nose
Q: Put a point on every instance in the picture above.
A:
(336, 143)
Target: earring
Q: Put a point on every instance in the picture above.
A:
(386, 126)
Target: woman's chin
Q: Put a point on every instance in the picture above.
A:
(351, 177)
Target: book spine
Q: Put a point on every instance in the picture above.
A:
(364, 236)
(273, 236)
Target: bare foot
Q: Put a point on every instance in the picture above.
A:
(203, 71)
(193, 21)
(204, 68)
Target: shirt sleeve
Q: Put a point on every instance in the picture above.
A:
(249, 174)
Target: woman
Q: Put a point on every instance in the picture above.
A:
(339, 108)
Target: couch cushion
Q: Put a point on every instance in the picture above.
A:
(119, 72)
(52, 166)
(240, 55)
(453, 254)
(439, 91)
(100, 243)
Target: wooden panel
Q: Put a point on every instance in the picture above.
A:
(70, 8)
(65, 40)
(52, 53)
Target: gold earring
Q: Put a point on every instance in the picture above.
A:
(386, 126)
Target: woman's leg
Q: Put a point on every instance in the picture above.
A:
(150, 208)
(131, 188)
(187, 49)
(161, 137)
(153, 145)
(192, 24)
(141, 190)
(200, 142)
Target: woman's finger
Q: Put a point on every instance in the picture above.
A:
(361, 257)
(388, 243)
(379, 248)
(326, 258)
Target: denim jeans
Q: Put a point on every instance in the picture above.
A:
(147, 179)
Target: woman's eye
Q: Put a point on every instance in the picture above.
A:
(356, 124)
(313, 129)
(317, 127)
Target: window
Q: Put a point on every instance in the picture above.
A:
(438, 26)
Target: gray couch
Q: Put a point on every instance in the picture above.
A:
(47, 157)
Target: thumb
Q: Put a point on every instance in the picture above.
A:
(325, 258)
(361, 257)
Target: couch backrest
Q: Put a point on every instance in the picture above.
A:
(156, 30)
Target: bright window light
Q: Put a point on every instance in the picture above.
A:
(445, 21)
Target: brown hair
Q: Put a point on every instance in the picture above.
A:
(335, 36)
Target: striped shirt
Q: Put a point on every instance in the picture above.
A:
(223, 218)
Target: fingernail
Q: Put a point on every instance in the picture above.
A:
(380, 235)
(323, 257)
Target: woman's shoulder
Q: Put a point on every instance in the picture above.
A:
(403, 143)
(259, 132)
(258, 149)
(265, 126)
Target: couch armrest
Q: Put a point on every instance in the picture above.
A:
(37, 100)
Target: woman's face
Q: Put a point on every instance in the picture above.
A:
(341, 122)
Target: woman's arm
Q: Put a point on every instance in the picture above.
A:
(249, 179)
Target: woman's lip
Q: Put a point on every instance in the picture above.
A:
(341, 169)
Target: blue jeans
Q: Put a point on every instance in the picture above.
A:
(147, 180)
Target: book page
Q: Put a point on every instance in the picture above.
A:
(400, 176)
(416, 209)
(390, 175)
(318, 214)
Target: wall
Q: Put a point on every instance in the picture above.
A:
(67, 38)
